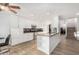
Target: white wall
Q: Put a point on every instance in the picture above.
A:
(77, 23)
(54, 21)
(62, 23)
(68, 22)
(22, 22)
(4, 23)
(71, 22)
(41, 16)
(12, 24)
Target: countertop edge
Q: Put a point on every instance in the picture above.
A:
(49, 35)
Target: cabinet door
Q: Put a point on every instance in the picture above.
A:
(39, 41)
(54, 41)
(43, 43)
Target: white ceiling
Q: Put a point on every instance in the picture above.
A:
(65, 10)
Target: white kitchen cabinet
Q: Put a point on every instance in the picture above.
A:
(17, 36)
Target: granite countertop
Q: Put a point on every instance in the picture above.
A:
(46, 34)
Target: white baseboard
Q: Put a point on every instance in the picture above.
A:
(43, 51)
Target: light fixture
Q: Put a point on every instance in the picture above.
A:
(9, 7)
(77, 14)
(31, 15)
(4, 8)
(75, 19)
(48, 13)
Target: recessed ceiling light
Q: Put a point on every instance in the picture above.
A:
(77, 14)
(48, 13)
(75, 19)
(32, 15)
(2, 7)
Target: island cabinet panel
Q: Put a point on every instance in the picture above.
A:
(47, 43)
(43, 43)
(53, 42)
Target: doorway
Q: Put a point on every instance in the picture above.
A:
(71, 28)
(70, 32)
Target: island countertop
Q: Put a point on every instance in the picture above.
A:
(46, 34)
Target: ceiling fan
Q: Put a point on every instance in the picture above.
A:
(9, 7)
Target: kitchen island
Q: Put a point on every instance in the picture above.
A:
(76, 34)
(47, 42)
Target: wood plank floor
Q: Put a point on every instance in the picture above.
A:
(66, 47)
(27, 48)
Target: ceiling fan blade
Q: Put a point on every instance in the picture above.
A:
(4, 4)
(8, 7)
(13, 11)
(16, 7)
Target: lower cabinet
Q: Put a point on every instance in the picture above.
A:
(43, 44)
(18, 36)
